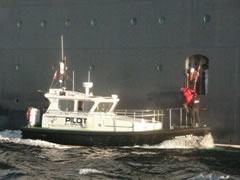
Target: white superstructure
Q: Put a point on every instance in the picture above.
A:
(72, 110)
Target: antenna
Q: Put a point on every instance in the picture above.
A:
(89, 72)
(62, 46)
(73, 81)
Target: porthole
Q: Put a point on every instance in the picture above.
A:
(162, 20)
(17, 67)
(19, 24)
(93, 22)
(133, 21)
(206, 18)
(68, 22)
(159, 67)
(17, 100)
(43, 23)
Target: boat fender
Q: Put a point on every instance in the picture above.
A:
(28, 113)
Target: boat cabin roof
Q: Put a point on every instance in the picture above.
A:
(76, 95)
(86, 103)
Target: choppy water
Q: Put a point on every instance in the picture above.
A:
(192, 158)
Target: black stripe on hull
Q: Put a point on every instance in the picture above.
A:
(89, 138)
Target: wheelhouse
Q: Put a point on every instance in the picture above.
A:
(78, 102)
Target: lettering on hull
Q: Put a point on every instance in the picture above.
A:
(76, 121)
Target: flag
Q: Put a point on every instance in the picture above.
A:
(55, 76)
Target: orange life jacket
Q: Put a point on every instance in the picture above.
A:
(187, 94)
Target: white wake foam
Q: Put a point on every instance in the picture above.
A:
(185, 142)
(15, 136)
(211, 177)
(90, 171)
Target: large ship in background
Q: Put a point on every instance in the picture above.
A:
(139, 50)
(77, 118)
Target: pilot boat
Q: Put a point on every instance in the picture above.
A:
(81, 118)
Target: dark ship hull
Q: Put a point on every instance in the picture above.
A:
(87, 138)
(138, 49)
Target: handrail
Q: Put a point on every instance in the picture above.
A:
(168, 116)
(181, 114)
(142, 114)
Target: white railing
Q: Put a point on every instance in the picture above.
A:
(150, 115)
(172, 117)
(176, 117)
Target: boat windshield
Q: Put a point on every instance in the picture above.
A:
(85, 106)
(66, 105)
(104, 107)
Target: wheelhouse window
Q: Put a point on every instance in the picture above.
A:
(80, 105)
(104, 107)
(66, 105)
(85, 106)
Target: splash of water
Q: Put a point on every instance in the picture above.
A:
(185, 142)
(207, 141)
(15, 136)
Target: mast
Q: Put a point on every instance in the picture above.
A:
(63, 69)
(62, 46)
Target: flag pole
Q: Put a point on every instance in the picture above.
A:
(52, 81)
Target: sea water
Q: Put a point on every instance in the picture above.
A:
(190, 157)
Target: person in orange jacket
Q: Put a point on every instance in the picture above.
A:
(188, 95)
